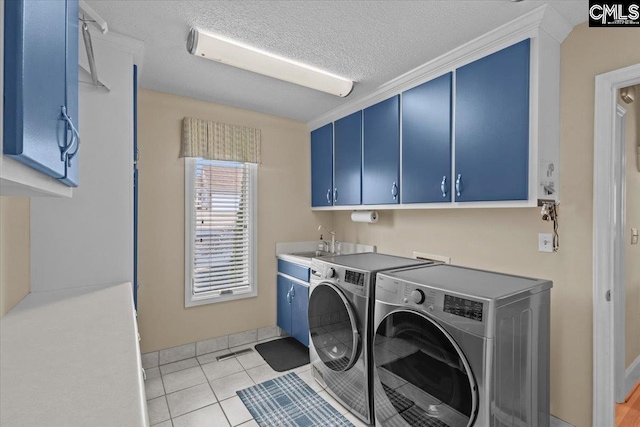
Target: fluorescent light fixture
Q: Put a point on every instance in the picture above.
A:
(228, 52)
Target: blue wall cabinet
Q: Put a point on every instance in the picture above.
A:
(381, 160)
(300, 313)
(426, 142)
(348, 160)
(41, 85)
(322, 166)
(284, 304)
(492, 127)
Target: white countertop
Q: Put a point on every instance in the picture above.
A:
(286, 250)
(71, 358)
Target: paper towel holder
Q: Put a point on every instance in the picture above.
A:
(370, 217)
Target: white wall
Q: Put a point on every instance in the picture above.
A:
(88, 239)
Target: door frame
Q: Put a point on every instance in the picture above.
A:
(608, 238)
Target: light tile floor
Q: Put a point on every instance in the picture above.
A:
(201, 392)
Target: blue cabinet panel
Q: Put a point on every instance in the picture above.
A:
(293, 270)
(71, 94)
(426, 142)
(34, 83)
(381, 165)
(492, 126)
(348, 160)
(284, 304)
(322, 166)
(300, 313)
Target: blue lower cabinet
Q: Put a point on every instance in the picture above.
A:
(492, 127)
(426, 142)
(381, 158)
(293, 308)
(322, 166)
(284, 304)
(300, 313)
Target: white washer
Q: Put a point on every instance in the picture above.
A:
(341, 297)
(457, 347)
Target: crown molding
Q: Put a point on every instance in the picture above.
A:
(541, 18)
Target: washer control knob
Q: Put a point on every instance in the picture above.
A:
(331, 273)
(430, 308)
(417, 296)
(406, 300)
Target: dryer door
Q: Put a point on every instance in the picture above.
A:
(422, 378)
(333, 327)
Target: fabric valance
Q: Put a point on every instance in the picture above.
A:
(220, 141)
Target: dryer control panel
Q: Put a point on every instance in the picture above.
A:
(465, 312)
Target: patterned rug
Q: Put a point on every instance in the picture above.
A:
(288, 401)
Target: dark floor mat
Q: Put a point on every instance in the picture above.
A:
(284, 354)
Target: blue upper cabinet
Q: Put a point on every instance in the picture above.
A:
(322, 166)
(381, 166)
(348, 160)
(492, 127)
(40, 70)
(71, 83)
(426, 142)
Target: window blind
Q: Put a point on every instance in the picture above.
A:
(222, 228)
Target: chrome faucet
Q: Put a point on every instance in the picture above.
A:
(332, 249)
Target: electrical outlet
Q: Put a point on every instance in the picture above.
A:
(545, 242)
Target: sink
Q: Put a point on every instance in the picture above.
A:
(313, 254)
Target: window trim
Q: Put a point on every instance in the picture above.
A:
(189, 192)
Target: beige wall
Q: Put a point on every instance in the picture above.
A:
(14, 251)
(632, 300)
(283, 215)
(507, 239)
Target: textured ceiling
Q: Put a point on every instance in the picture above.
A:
(370, 42)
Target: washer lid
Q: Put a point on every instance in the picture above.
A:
(470, 282)
(371, 261)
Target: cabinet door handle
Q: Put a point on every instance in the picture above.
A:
(335, 195)
(459, 185)
(443, 186)
(293, 292)
(394, 190)
(289, 297)
(66, 155)
(144, 374)
(329, 196)
(64, 150)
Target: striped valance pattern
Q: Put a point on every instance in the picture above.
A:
(220, 141)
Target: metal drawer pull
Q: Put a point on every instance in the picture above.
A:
(394, 190)
(335, 195)
(459, 185)
(443, 186)
(329, 196)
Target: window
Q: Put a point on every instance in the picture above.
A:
(220, 231)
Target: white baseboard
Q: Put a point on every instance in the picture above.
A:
(632, 376)
(557, 422)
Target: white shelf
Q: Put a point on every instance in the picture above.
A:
(17, 179)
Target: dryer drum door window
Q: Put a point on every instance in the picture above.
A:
(333, 327)
(422, 378)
